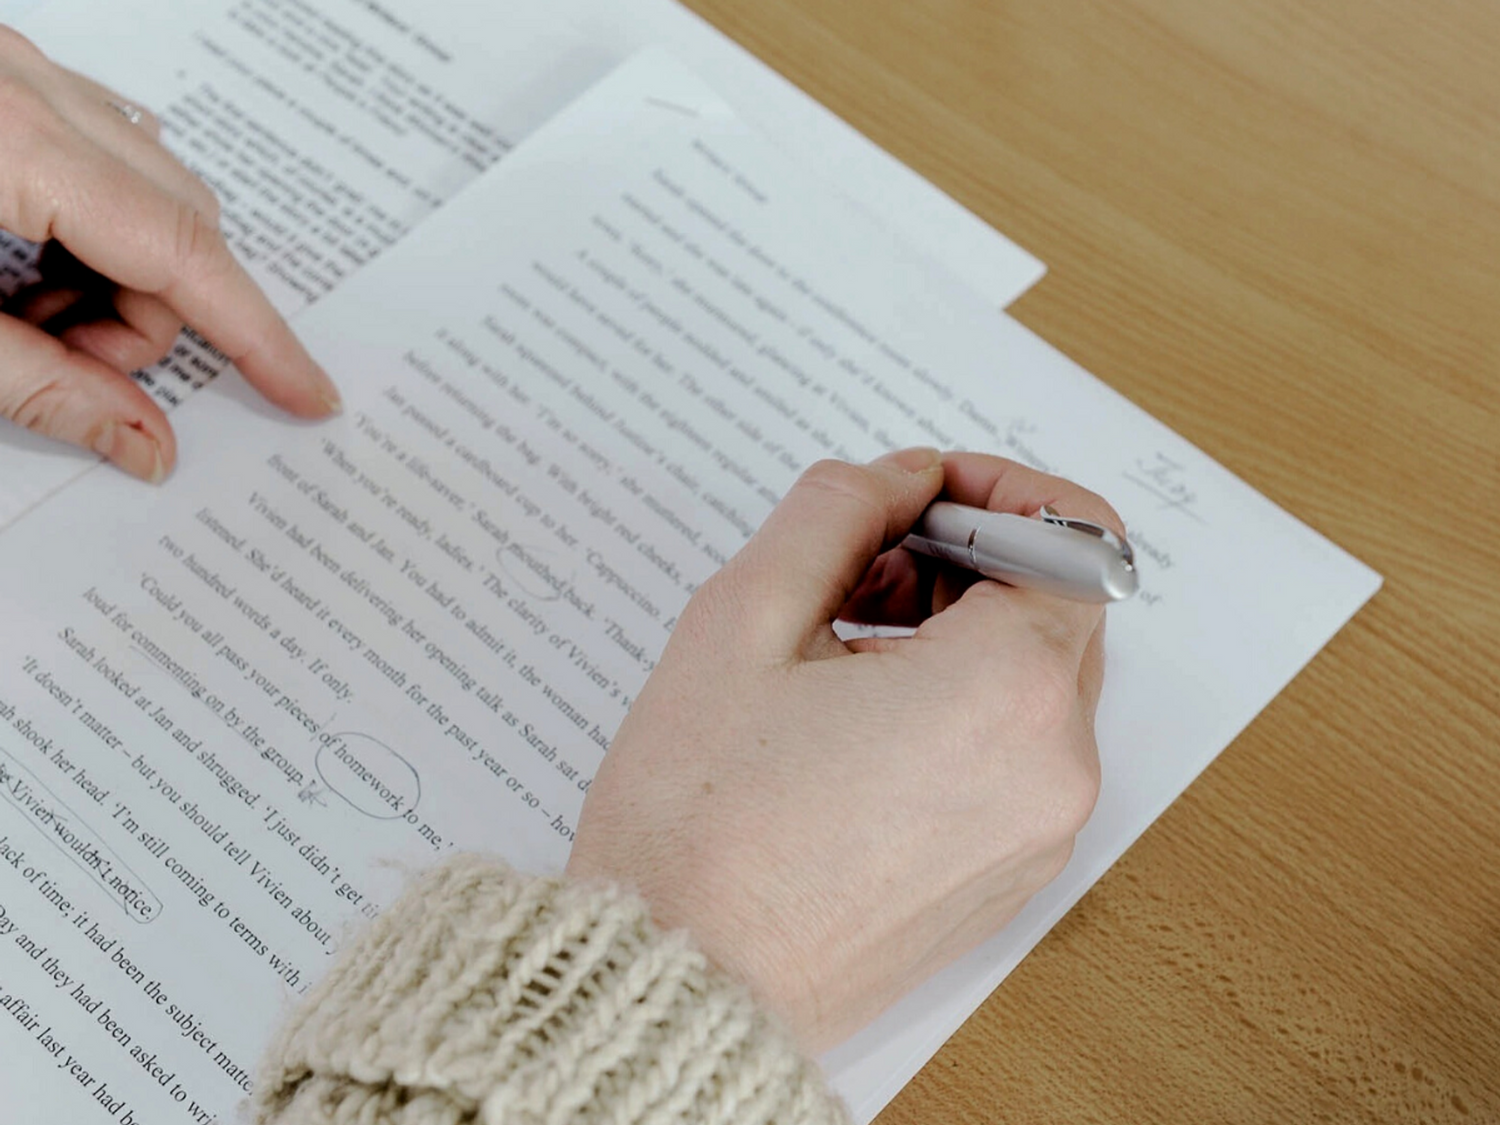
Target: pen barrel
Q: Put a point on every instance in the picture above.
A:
(1025, 552)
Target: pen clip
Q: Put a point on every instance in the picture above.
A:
(1089, 527)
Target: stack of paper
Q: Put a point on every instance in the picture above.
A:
(324, 653)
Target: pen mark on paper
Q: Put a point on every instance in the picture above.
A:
(1163, 478)
(75, 840)
(531, 567)
(688, 110)
(368, 775)
(195, 689)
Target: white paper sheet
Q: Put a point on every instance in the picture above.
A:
(331, 127)
(340, 649)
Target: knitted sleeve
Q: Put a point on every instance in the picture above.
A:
(488, 997)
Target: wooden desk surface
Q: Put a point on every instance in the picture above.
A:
(1276, 226)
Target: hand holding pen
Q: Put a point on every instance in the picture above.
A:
(1037, 534)
(834, 820)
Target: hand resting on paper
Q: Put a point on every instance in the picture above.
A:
(132, 252)
(819, 822)
(834, 822)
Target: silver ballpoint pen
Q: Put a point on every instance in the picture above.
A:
(1071, 558)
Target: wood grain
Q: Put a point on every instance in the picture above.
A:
(1276, 226)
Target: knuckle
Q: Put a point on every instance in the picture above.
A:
(199, 194)
(1052, 865)
(31, 134)
(702, 617)
(1045, 712)
(851, 487)
(1056, 633)
(1046, 698)
(159, 337)
(14, 44)
(209, 205)
(197, 240)
(1077, 794)
(730, 615)
(28, 117)
(36, 407)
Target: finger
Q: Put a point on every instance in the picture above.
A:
(118, 124)
(141, 331)
(101, 116)
(1044, 635)
(38, 304)
(124, 128)
(988, 609)
(64, 283)
(801, 566)
(1006, 486)
(905, 588)
(1068, 630)
(126, 111)
(77, 399)
(119, 223)
(125, 329)
(1001, 485)
(897, 590)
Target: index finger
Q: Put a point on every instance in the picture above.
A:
(117, 221)
(907, 589)
(1002, 485)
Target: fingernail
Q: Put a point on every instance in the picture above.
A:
(329, 393)
(917, 460)
(133, 450)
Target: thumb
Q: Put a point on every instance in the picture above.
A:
(799, 569)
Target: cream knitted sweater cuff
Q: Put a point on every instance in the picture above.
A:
(490, 997)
